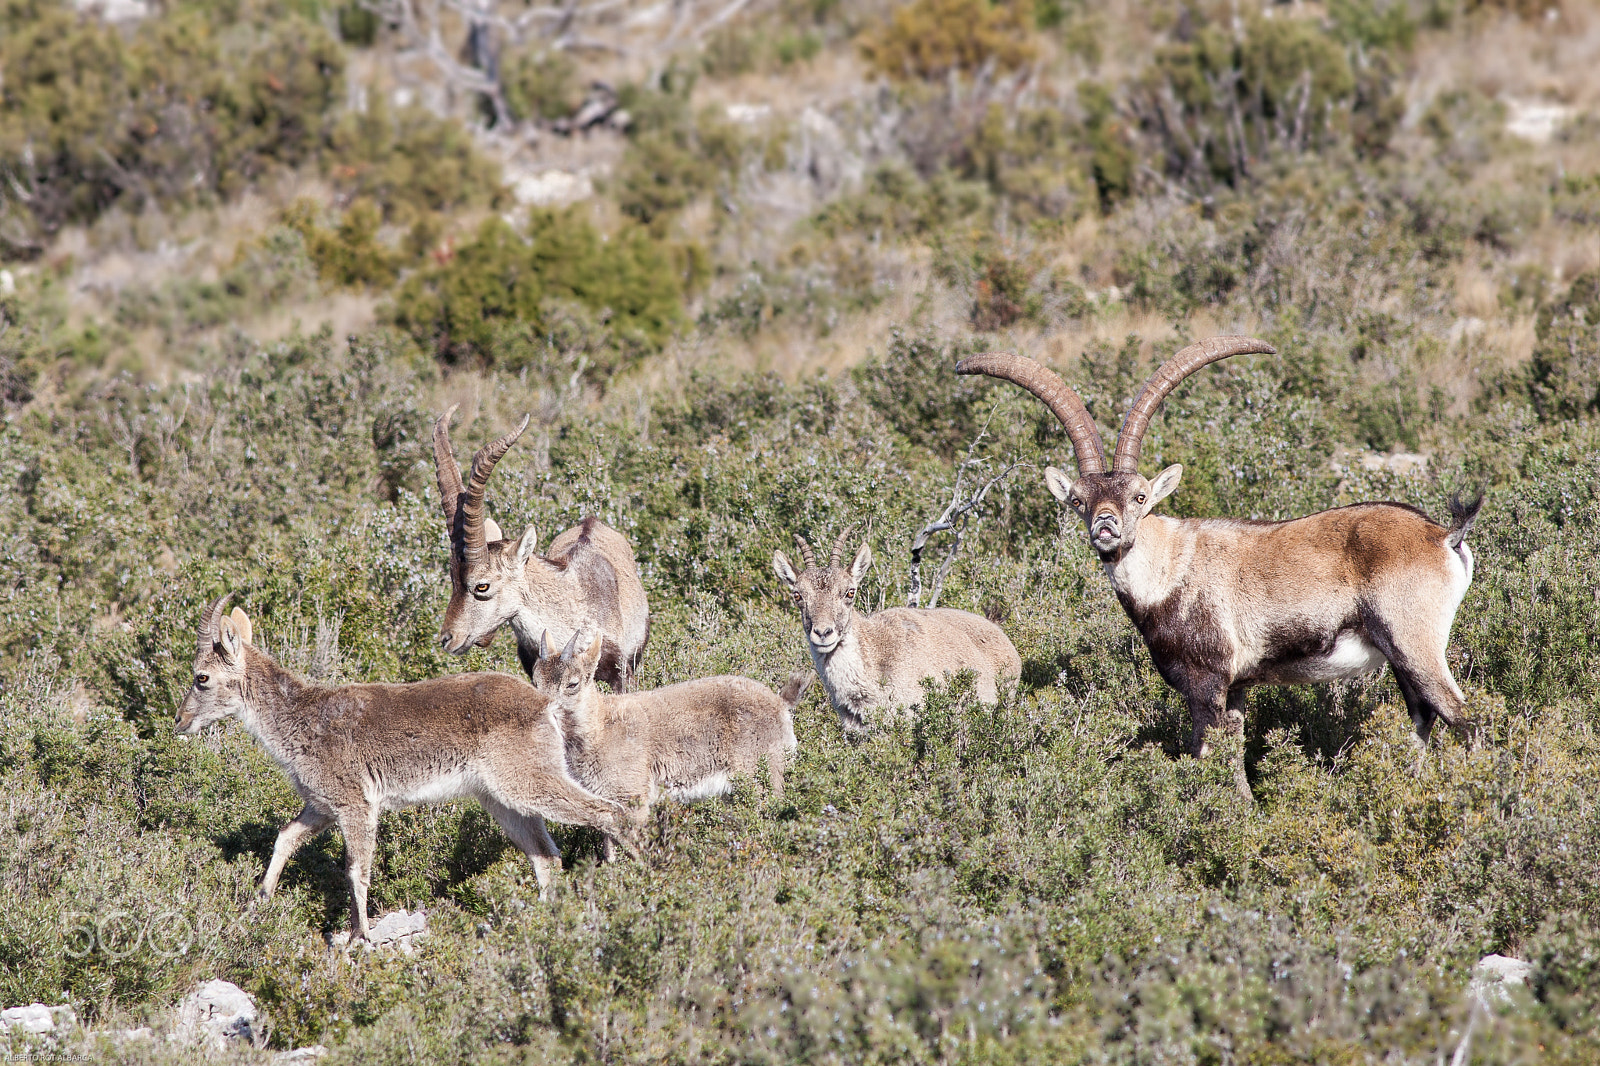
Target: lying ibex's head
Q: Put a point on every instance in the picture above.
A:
(561, 674)
(1110, 503)
(218, 687)
(826, 594)
(485, 570)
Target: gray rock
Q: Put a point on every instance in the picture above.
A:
(397, 929)
(300, 1054)
(215, 1013)
(37, 1018)
(1495, 976)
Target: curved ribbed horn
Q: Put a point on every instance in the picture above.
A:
(444, 462)
(473, 544)
(807, 556)
(210, 626)
(839, 544)
(1164, 380)
(1056, 394)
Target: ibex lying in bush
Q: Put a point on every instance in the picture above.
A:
(588, 572)
(877, 662)
(355, 750)
(1225, 604)
(685, 740)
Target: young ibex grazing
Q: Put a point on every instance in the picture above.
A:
(1225, 604)
(877, 662)
(588, 572)
(685, 740)
(356, 750)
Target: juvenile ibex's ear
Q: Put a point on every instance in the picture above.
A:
(588, 657)
(785, 572)
(1165, 484)
(858, 569)
(525, 546)
(491, 531)
(228, 641)
(241, 622)
(1059, 484)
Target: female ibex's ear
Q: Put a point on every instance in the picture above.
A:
(785, 572)
(241, 622)
(526, 546)
(1165, 484)
(228, 642)
(858, 569)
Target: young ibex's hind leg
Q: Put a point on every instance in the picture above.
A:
(308, 823)
(528, 833)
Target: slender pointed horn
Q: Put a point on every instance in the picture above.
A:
(444, 462)
(210, 626)
(1172, 372)
(807, 556)
(839, 544)
(1056, 394)
(472, 532)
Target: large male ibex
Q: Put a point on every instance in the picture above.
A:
(587, 573)
(1224, 604)
(354, 751)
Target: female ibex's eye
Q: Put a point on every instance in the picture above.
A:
(482, 587)
(850, 594)
(201, 679)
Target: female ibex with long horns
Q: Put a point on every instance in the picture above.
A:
(587, 573)
(1224, 604)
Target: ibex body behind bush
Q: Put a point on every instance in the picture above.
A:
(1225, 604)
(588, 573)
(353, 751)
(685, 740)
(872, 665)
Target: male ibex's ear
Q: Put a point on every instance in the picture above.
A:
(1165, 484)
(1059, 484)
(228, 642)
(525, 546)
(858, 569)
(241, 622)
(491, 530)
(785, 572)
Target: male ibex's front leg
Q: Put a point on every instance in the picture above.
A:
(1213, 703)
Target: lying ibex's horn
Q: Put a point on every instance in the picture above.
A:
(839, 545)
(1056, 394)
(473, 544)
(807, 556)
(211, 626)
(1126, 458)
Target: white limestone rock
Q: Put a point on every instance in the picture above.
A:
(214, 1014)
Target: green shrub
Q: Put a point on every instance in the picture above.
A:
(928, 39)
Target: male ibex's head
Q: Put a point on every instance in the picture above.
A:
(217, 690)
(826, 594)
(1111, 503)
(484, 568)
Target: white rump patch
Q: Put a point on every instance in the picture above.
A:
(716, 784)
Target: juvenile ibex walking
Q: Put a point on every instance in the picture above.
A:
(685, 740)
(877, 662)
(588, 572)
(356, 750)
(1224, 604)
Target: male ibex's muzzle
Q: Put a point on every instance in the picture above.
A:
(1105, 531)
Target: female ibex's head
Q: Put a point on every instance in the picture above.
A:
(217, 690)
(485, 571)
(826, 594)
(1112, 503)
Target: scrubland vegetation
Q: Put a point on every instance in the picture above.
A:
(253, 249)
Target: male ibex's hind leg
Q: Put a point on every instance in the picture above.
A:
(528, 833)
(1424, 678)
(308, 823)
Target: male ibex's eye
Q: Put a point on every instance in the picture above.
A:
(850, 594)
(795, 596)
(1076, 502)
(1139, 498)
(201, 679)
(482, 587)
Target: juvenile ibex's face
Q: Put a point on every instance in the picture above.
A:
(486, 595)
(1111, 505)
(826, 596)
(217, 689)
(561, 675)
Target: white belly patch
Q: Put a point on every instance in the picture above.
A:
(1352, 656)
(711, 785)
